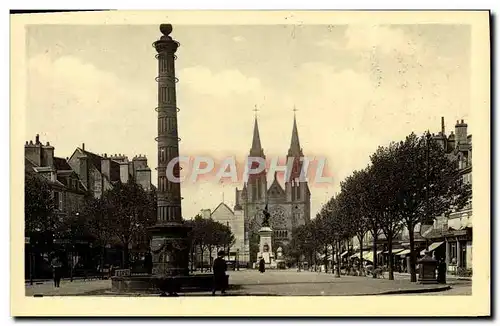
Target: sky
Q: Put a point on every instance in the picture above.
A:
(355, 87)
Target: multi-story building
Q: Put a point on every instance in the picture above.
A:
(98, 173)
(68, 193)
(452, 234)
(68, 190)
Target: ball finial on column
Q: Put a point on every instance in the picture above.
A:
(166, 29)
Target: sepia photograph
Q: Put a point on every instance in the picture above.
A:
(177, 156)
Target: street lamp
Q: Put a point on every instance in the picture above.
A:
(237, 259)
(72, 247)
(427, 265)
(427, 222)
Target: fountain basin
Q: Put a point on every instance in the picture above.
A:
(162, 283)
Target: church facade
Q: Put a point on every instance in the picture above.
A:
(289, 206)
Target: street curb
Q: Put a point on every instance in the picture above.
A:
(409, 291)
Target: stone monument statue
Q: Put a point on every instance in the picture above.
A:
(265, 243)
(267, 215)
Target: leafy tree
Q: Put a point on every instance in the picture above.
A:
(431, 185)
(387, 180)
(291, 252)
(131, 210)
(353, 206)
(207, 235)
(98, 219)
(72, 227)
(222, 236)
(303, 242)
(38, 205)
(199, 235)
(322, 238)
(371, 203)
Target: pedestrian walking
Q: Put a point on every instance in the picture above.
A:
(219, 268)
(262, 265)
(56, 271)
(442, 271)
(148, 262)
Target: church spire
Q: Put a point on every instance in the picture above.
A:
(256, 150)
(295, 149)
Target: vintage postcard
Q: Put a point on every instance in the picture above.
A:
(280, 163)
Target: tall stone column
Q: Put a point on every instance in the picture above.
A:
(459, 254)
(169, 245)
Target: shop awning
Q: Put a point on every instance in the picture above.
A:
(432, 247)
(404, 252)
(394, 251)
(369, 255)
(358, 254)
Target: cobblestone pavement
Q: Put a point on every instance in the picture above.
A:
(282, 283)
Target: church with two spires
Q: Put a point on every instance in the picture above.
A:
(289, 205)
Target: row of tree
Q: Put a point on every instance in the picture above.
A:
(406, 185)
(120, 216)
(208, 236)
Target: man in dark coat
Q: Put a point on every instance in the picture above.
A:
(262, 265)
(219, 269)
(148, 262)
(57, 271)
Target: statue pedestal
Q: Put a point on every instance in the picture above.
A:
(265, 247)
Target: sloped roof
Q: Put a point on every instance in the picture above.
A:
(275, 190)
(61, 164)
(94, 159)
(29, 166)
(114, 171)
(223, 205)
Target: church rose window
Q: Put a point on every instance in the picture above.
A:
(278, 218)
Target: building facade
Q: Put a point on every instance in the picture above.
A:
(98, 173)
(68, 190)
(68, 194)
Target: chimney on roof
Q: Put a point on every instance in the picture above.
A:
(37, 139)
(442, 126)
(105, 154)
(460, 133)
(106, 167)
(83, 146)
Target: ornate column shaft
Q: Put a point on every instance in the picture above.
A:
(169, 193)
(170, 244)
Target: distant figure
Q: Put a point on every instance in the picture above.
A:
(442, 271)
(267, 215)
(148, 262)
(262, 265)
(56, 271)
(219, 268)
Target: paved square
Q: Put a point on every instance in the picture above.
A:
(274, 282)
